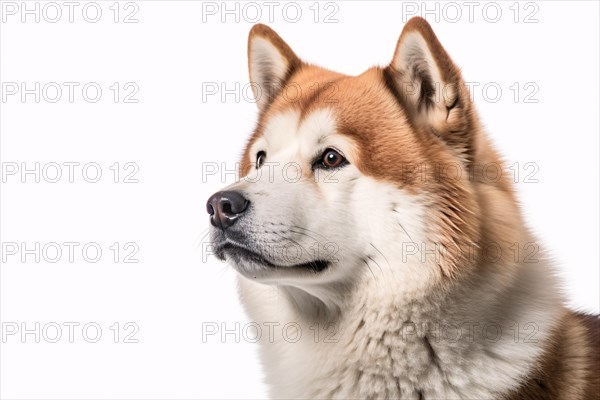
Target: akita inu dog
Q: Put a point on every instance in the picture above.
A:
(375, 245)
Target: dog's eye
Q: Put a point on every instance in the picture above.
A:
(331, 159)
(260, 158)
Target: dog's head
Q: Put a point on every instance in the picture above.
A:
(352, 177)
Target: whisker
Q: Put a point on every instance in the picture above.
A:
(368, 266)
(305, 234)
(311, 231)
(376, 263)
(322, 242)
(292, 240)
(200, 239)
(379, 251)
(402, 226)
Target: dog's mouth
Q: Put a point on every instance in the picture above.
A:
(242, 256)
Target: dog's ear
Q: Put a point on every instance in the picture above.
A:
(430, 85)
(271, 62)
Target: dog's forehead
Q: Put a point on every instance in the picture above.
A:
(317, 99)
(355, 114)
(292, 131)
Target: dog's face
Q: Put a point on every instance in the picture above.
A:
(349, 177)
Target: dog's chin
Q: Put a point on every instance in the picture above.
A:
(255, 266)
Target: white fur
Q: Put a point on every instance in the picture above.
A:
(367, 325)
(414, 51)
(267, 67)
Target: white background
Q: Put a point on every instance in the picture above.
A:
(170, 133)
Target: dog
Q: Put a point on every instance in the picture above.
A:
(372, 242)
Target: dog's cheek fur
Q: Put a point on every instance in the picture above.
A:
(290, 203)
(390, 150)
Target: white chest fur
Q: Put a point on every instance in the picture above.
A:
(379, 350)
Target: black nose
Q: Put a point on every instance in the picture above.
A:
(225, 208)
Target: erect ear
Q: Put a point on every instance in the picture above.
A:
(270, 61)
(429, 85)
